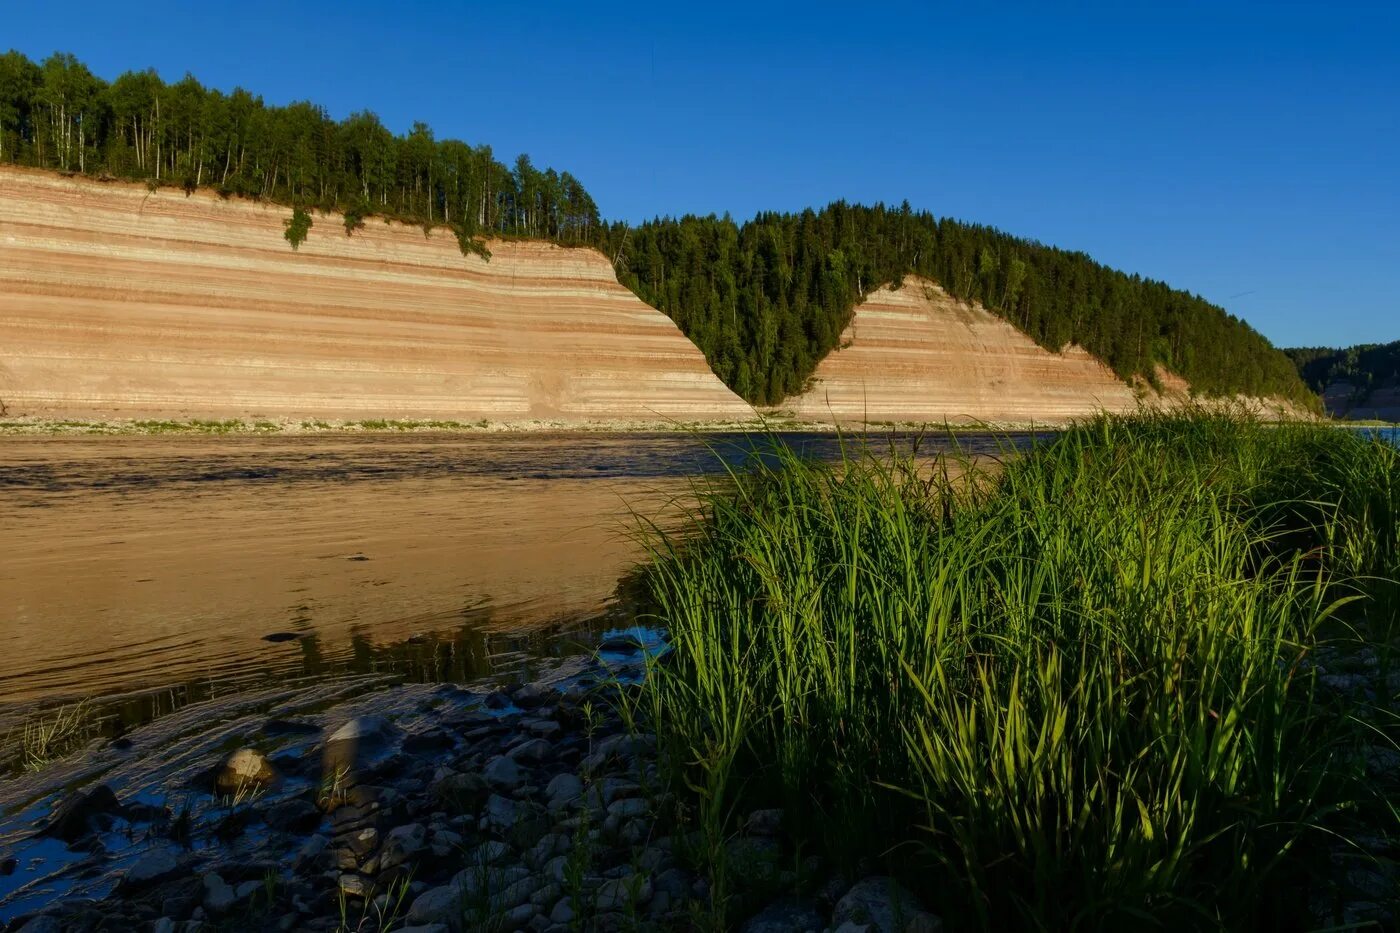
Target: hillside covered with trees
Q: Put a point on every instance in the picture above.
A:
(765, 300)
(1365, 366)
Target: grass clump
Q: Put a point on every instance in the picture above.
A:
(49, 737)
(1073, 692)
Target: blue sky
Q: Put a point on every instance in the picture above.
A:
(1247, 152)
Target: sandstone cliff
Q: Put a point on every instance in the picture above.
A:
(120, 302)
(917, 355)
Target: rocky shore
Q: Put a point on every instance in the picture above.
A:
(528, 807)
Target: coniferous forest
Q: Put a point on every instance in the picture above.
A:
(1366, 366)
(765, 300)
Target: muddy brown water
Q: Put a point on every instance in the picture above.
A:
(155, 571)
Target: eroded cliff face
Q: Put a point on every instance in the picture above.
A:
(1344, 400)
(120, 302)
(917, 355)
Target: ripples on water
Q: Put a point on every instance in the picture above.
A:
(158, 571)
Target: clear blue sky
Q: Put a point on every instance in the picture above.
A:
(1250, 153)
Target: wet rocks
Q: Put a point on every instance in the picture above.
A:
(83, 813)
(155, 866)
(246, 770)
(502, 773)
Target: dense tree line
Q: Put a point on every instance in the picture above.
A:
(59, 115)
(1365, 366)
(765, 300)
(768, 299)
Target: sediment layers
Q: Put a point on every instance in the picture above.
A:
(117, 301)
(915, 354)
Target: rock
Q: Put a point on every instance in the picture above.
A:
(8, 866)
(311, 853)
(44, 923)
(544, 729)
(295, 816)
(219, 896)
(245, 770)
(82, 813)
(789, 915)
(617, 894)
(531, 696)
(562, 790)
(534, 751)
(156, 865)
(460, 793)
(501, 812)
(437, 905)
(497, 699)
(550, 845)
(502, 773)
(885, 906)
(356, 743)
(427, 743)
(402, 844)
(764, 822)
(563, 912)
(425, 928)
(352, 885)
(163, 925)
(491, 852)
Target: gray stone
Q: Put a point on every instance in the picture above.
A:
(789, 915)
(163, 925)
(620, 892)
(219, 896)
(156, 865)
(885, 906)
(437, 905)
(402, 844)
(563, 911)
(311, 853)
(502, 773)
(533, 751)
(562, 790)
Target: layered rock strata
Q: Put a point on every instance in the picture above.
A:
(915, 354)
(117, 301)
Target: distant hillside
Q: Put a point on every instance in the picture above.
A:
(1355, 382)
(768, 300)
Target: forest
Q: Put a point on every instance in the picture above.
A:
(768, 299)
(1365, 366)
(765, 300)
(59, 115)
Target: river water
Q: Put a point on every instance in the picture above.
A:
(158, 571)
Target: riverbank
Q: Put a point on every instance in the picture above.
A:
(1146, 668)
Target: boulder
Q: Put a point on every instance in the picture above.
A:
(884, 906)
(245, 770)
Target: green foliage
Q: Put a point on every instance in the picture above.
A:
(298, 226)
(767, 300)
(59, 115)
(1365, 366)
(1068, 694)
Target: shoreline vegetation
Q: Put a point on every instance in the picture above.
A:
(765, 300)
(1146, 671)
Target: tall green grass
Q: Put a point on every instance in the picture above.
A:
(1071, 691)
